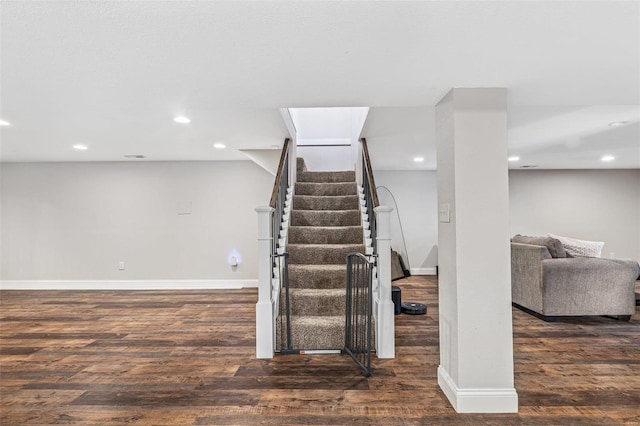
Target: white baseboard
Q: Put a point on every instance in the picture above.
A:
(126, 284)
(488, 400)
(423, 271)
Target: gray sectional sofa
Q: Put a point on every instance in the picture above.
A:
(546, 283)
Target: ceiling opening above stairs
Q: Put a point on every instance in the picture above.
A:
(328, 126)
(327, 137)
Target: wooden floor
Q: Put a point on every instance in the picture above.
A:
(180, 358)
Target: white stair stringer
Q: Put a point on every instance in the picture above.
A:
(368, 241)
(368, 245)
(286, 218)
(282, 237)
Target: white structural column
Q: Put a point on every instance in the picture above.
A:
(385, 337)
(265, 334)
(476, 344)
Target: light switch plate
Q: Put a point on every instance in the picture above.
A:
(444, 213)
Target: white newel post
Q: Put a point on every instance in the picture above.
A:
(264, 307)
(385, 338)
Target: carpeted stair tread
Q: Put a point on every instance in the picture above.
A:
(325, 218)
(327, 177)
(326, 189)
(324, 226)
(315, 202)
(317, 332)
(315, 302)
(325, 235)
(310, 254)
(317, 276)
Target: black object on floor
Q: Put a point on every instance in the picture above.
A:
(397, 271)
(414, 308)
(406, 271)
(396, 297)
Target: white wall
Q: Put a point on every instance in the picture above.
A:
(326, 158)
(328, 125)
(340, 126)
(416, 194)
(602, 205)
(597, 205)
(395, 135)
(76, 221)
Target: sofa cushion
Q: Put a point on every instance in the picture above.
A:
(555, 247)
(580, 248)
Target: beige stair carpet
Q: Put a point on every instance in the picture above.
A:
(325, 226)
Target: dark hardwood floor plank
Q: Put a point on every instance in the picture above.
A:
(168, 398)
(188, 357)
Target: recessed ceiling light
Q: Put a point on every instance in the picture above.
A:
(608, 158)
(182, 119)
(219, 145)
(418, 159)
(514, 158)
(618, 123)
(4, 123)
(80, 147)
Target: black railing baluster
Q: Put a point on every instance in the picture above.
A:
(288, 311)
(358, 310)
(284, 302)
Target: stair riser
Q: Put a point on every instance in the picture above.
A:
(321, 255)
(325, 218)
(327, 177)
(311, 337)
(310, 202)
(306, 278)
(303, 304)
(326, 189)
(317, 337)
(322, 235)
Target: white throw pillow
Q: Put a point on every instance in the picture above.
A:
(580, 248)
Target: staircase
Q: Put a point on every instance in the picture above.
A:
(325, 226)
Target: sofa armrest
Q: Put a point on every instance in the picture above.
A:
(589, 286)
(631, 264)
(526, 275)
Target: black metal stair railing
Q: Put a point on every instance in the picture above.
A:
(279, 197)
(358, 330)
(284, 326)
(370, 193)
(280, 258)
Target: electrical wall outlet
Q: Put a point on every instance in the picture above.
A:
(121, 265)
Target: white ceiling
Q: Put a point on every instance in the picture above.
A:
(544, 137)
(112, 74)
